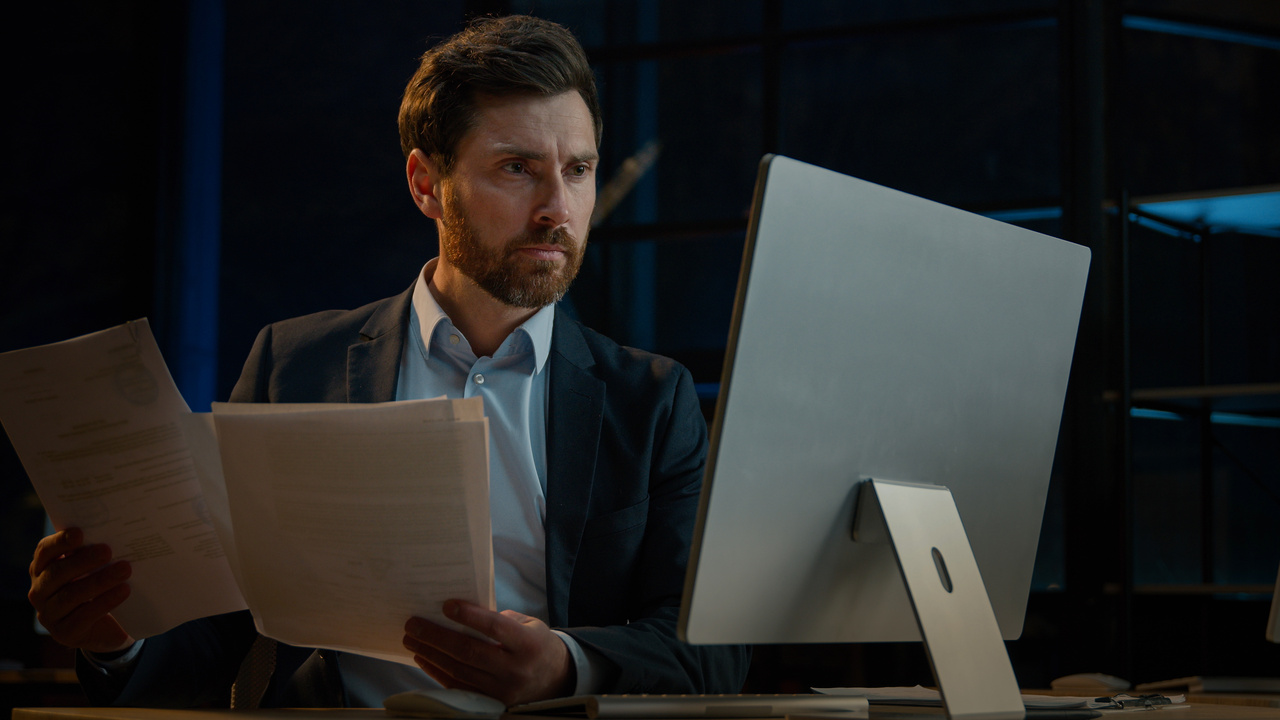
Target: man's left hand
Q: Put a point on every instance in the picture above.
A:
(524, 662)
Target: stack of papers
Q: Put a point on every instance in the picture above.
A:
(928, 697)
(333, 524)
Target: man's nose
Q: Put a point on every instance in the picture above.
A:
(553, 205)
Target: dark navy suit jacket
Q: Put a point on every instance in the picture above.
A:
(626, 445)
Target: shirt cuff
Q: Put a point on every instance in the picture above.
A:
(108, 664)
(588, 664)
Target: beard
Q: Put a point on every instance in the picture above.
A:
(503, 272)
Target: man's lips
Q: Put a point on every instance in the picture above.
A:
(543, 252)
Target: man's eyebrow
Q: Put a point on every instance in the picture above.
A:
(505, 149)
(539, 156)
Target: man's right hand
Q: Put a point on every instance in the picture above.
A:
(74, 588)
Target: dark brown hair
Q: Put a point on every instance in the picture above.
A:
(511, 55)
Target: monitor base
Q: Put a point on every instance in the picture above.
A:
(961, 636)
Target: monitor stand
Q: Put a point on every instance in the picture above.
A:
(961, 636)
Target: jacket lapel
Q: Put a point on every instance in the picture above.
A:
(575, 410)
(373, 363)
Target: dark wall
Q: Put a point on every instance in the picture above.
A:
(316, 208)
(87, 134)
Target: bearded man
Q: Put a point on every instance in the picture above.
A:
(596, 454)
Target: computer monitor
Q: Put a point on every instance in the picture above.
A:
(877, 335)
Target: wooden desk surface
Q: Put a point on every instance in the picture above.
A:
(99, 713)
(52, 676)
(1193, 712)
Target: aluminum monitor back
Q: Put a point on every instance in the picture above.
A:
(875, 334)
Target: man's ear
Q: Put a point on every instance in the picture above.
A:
(424, 179)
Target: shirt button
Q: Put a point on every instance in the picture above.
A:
(478, 378)
(453, 339)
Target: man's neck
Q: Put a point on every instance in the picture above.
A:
(483, 319)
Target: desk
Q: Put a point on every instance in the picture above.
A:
(89, 713)
(39, 687)
(1194, 712)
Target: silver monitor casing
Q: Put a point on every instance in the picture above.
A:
(876, 335)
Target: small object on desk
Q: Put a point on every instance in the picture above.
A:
(443, 703)
(1093, 683)
(1038, 707)
(1151, 701)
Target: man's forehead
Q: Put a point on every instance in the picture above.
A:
(532, 125)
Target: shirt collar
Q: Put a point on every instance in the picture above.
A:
(430, 314)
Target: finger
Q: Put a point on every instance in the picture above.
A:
(85, 590)
(426, 635)
(90, 625)
(444, 678)
(451, 671)
(435, 672)
(53, 547)
(76, 564)
(499, 626)
(518, 616)
(80, 572)
(524, 623)
(514, 630)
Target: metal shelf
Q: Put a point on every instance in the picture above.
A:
(1251, 211)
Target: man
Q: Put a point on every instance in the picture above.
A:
(596, 454)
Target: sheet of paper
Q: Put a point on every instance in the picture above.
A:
(95, 421)
(350, 520)
(202, 441)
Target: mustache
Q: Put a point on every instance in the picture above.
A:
(558, 237)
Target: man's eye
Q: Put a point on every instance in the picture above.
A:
(514, 167)
(579, 170)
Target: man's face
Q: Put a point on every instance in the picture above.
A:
(517, 206)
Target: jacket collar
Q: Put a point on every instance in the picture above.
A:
(373, 363)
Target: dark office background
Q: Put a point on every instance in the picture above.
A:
(215, 165)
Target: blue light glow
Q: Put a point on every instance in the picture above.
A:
(1205, 32)
(1218, 418)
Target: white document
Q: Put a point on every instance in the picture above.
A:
(202, 441)
(350, 519)
(95, 421)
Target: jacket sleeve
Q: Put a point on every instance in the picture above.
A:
(192, 665)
